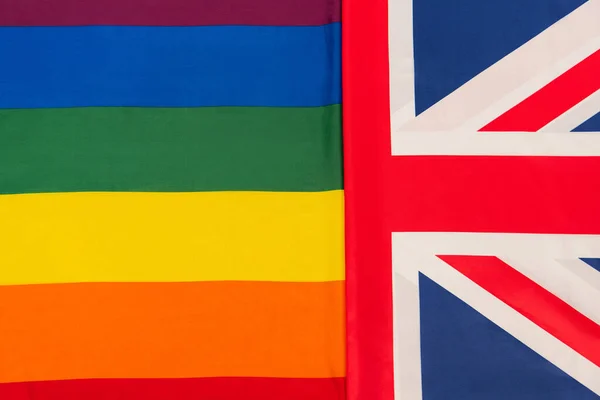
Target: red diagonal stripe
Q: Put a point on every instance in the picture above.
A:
(532, 301)
(552, 100)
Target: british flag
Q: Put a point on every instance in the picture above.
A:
(476, 201)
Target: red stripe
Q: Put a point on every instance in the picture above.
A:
(177, 389)
(491, 194)
(533, 301)
(368, 239)
(168, 12)
(552, 100)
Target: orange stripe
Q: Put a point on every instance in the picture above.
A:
(163, 330)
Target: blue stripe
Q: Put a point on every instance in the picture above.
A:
(44, 67)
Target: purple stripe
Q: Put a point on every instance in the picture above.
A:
(168, 12)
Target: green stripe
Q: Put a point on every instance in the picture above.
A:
(170, 149)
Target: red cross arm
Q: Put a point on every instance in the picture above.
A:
(492, 194)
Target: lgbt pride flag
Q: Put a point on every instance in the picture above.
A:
(171, 203)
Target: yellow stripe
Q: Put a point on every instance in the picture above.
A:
(168, 237)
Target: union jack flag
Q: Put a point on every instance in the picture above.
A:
(478, 207)
(481, 315)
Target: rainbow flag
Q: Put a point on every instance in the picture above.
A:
(171, 200)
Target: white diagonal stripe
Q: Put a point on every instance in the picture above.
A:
(576, 115)
(531, 86)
